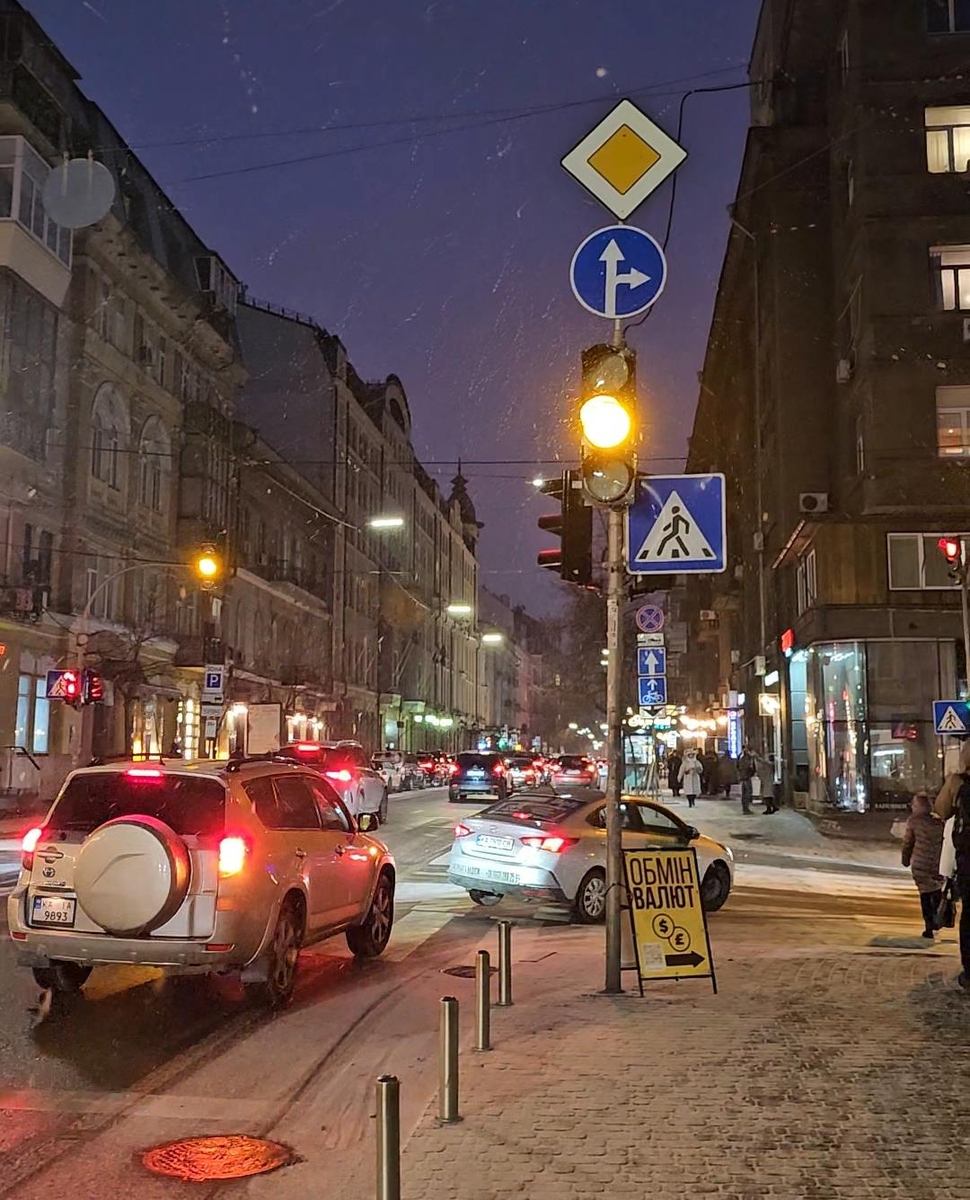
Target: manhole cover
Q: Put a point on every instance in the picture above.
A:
(465, 972)
(233, 1156)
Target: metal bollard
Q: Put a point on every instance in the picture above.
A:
(448, 1065)
(388, 1138)
(483, 1001)
(504, 964)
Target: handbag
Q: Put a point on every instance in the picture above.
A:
(946, 910)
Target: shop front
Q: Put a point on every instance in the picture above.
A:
(861, 729)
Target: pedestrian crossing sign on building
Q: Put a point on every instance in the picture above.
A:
(677, 524)
(951, 716)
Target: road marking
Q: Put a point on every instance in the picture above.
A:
(413, 930)
(165, 1107)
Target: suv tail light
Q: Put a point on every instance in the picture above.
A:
(452, 768)
(29, 845)
(498, 769)
(342, 776)
(144, 774)
(232, 855)
(461, 830)
(553, 844)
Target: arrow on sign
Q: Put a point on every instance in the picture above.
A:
(684, 960)
(633, 278)
(651, 660)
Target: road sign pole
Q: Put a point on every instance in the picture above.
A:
(614, 784)
(965, 606)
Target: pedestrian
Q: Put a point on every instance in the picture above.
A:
(709, 773)
(747, 768)
(922, 846)
(725, 775)
(954, 801)
(674, 763)
(690, 777)
(766, 781)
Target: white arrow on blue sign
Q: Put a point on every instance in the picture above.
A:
(652, 691)
(651, 660)
(677, 524)
(618, 271)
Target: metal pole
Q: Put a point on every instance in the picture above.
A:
(614, 783)
(388, 1138)
(504, 965)
(483, 1001)
(964, 584)
(448, 1064)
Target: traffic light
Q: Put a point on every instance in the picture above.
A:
(572, 560)
(607, 406)
(92, 687)
(952, 550)
(71, 688)
(208, 566)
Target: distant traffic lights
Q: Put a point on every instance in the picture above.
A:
(572, 560)
(92, 686)
(208, 566)
(607, 406)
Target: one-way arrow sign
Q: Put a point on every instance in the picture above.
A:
(651, 660)
(684, 960)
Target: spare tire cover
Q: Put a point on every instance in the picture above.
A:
(132, 875)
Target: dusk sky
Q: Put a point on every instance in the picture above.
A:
(432, 226)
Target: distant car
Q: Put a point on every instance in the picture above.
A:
(478, 773)
(349, 771)
(414, 776)
(434, 763)
(389, 764)
(197, 868)
(554, 848)
(522, 771)
(573, 769)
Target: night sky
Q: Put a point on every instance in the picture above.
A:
(439, 252)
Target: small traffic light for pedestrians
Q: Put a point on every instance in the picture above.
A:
(71, 688)
(952, 551)
(92, 687)
(208, 566)
(607, 404)
(572, 560)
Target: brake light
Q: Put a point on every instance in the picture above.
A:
(343, 776)
(461, 830)
(552, 844)
(232, 855)
(145, 774)
(529, 773)
(498, 769)
(557, 768)
(453, 768)
(307, 747)
(29, 845)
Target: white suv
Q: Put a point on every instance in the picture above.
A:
(198, 868)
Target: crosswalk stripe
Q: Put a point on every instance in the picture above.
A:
(413, 930)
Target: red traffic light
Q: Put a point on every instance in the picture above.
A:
(71, 687)
(92, 687)
(950, 549)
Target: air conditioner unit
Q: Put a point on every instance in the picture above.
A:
(843, 370)
(813, 502)
(708, 614)
(735, 658)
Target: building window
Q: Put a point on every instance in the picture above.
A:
(32, 731)
(860, 446)
(953, 422)
(806, 582)
(104, 597)
(947, 139)
(154, 457)
(844, 55)
(108, 422)
(948, 16)
(916, 564)
(23, 174)
(849, 182)
(951, 276)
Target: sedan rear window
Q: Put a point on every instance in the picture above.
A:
(317, 756)
(536, 809)
(191, 805)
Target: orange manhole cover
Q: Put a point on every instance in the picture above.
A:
(231, 1156)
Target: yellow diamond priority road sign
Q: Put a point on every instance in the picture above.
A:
(624, 159)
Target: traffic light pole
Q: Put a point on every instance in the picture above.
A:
(964, 585)
(615, 571)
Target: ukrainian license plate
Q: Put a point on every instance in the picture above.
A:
(53, 910)
(492, 873)
(487, 842)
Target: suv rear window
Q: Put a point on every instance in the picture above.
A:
(574, 762)
(188, 804)
(318, 756)
(520, 760)
(477, 760)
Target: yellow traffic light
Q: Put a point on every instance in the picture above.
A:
(606, 423)
(208, 565)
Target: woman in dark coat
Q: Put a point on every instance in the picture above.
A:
(674, 763)
(922, 845)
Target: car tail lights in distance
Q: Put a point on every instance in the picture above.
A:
(461, 830)
(341, 776)
(553, 844)
(145, 774)
(498, 769)
(453, 768)
(307, 747)
(232, 855)
(29, 845)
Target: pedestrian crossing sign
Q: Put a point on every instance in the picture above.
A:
(951, 716)
(677, 524)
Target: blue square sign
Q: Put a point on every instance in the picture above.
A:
(951, 716)
(651, 660)
(652, 691)
(676, 525)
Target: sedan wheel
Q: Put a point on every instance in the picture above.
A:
(276, 990)
(369, 939)
(715, 887)
(591, 898)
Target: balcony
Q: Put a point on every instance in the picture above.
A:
(31, 244)
(278, 570)
(195, 650)
(23, 603)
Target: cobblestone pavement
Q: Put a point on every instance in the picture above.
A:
(827, 1070)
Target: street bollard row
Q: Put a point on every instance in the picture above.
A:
(389, 1088)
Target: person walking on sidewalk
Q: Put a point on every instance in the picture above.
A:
(766, 778)
(747, 767)
(690, 777)
(674, 763)
(954, 801)
(709, 773)
(922, 846)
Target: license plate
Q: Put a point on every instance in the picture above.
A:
(491, 873)
(494, 843)
(53, 910)
(475, 773)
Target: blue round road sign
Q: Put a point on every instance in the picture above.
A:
(618, 271)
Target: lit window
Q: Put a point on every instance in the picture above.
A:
(32, 730)
(916, 563)
(947, 139)
(953, 422)
(951, 276)
(948, 16)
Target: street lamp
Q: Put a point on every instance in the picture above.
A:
(459, 610)
(386, 523)
(492, 639)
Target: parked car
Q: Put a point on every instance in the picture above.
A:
(347, 768)
(521, 771)
(573, 769)
(414, 776)
(198, 868)
(389, 764)
(554, 848)
(478, 773)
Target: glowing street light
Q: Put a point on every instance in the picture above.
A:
(493, 639)
(386, 523)
(459, 610)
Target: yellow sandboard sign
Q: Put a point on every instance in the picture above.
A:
(668, 921)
